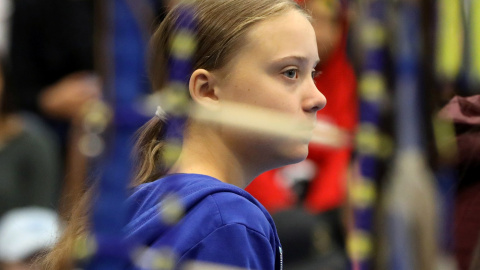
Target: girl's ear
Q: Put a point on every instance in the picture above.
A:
(203, 88)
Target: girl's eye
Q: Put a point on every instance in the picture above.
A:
(291, 73)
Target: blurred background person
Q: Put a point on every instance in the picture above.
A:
(56, 58)
(29, 160)
(319, 183)
(51, 63)
(464, 112)
(26, 233)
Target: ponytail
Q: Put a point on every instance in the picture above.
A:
(148, 157)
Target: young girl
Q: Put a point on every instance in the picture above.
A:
(258, 53)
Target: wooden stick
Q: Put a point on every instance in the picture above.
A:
(274, 123)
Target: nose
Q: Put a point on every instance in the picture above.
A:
(314, 100)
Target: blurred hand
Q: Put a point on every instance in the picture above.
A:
(65, 99)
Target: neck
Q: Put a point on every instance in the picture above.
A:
(209, 155)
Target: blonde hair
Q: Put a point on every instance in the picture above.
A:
(221, 30)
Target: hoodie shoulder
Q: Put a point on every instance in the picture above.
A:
(210, 211)
(200, 199)
(240, 209)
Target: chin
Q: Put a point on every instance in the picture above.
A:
(269, 153)
(292, 155)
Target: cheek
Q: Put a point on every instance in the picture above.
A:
(240, 87)
(269, 96)
(277, 96)
(252, 91)
(263, 90)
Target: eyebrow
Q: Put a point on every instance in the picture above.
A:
(300, 59)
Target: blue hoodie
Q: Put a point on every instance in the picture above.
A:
(222, 224)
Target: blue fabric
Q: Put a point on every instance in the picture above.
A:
(222, 224)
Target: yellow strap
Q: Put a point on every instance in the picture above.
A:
(450, 39)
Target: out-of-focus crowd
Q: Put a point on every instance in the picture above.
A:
(46, 78)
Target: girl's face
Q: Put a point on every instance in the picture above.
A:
(274, 70)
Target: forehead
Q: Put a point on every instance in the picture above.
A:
(289, 34)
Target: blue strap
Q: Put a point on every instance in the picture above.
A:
(125, 83)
